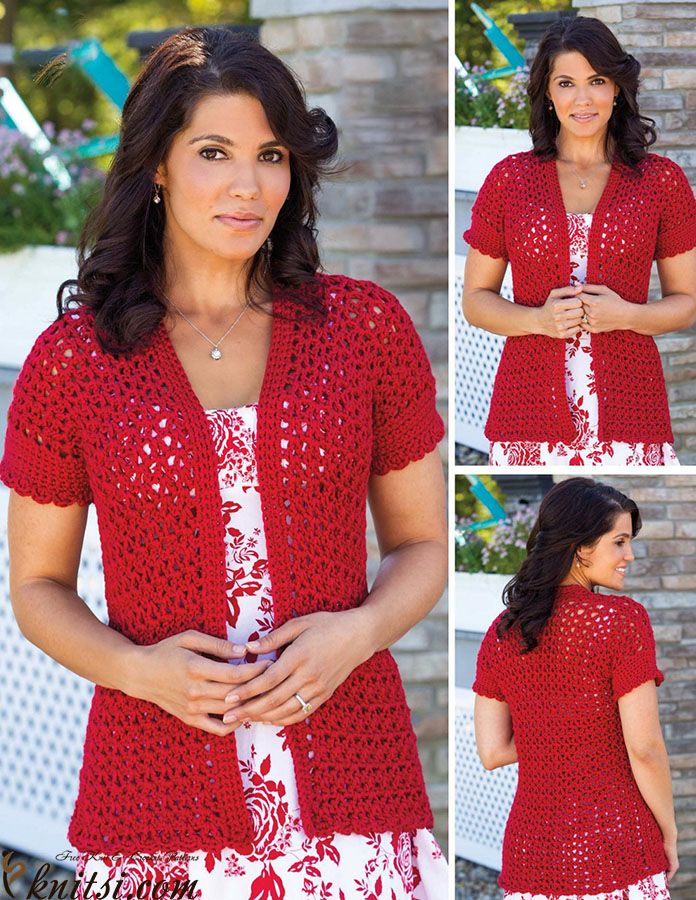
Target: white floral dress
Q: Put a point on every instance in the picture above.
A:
(284, 864)
(581, 390)
(654, 887)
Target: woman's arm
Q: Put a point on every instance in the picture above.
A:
(484, 307)
(649, 762)
(322, 649)
(495, 740)
(607, 311)
(45, 543)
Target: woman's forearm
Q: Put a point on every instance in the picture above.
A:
(488, 310)
(672, 313)
(409, 582)
(652, 775)
(55, 618)
(503, 756)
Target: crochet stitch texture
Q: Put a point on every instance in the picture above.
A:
(642, 214)
(344, 396)
(578, 824)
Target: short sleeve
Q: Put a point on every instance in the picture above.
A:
(677, 226)
(487, 230)
(405, 422)
(633, 660)
(43, 455)
(489, 668)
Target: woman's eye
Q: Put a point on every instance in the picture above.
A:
(211, 150)
(272, 156)
(564, 83)
(598, 81)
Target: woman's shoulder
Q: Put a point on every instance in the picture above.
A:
(361, 301)
(516, 163)
(662, 170)
(615, 613)
(64, 336)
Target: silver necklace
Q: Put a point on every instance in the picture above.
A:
(215, 353)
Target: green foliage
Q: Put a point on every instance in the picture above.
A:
(466, 506)
(499, 549)
(33, 210)
(501, 103)
(470, 43)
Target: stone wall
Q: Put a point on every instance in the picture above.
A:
(662, 36)
(380, 71)
(663, 579)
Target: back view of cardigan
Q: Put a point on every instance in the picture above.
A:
(644, 213)
(578, 824)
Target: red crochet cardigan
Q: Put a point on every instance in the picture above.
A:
(519, 215)
(343, 397)
(578, 824)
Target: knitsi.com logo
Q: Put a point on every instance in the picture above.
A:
(69, 889)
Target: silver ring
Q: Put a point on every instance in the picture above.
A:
(306, 707)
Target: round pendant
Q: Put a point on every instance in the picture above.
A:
(583, 185)
(215, 353)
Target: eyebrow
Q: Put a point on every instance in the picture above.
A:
(570, 77)
(623, 534)
(220, 139)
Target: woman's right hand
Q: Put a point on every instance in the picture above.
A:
(177, 676)
(561, 314)
(670, 847)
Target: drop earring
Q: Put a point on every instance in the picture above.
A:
(158, 195)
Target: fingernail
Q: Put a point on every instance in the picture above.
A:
(229, 717)
(232, 698)
(238, 649)
(253, 645)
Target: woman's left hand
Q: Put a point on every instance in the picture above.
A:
(604, 309)
(321, 650)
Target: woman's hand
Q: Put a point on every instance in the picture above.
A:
(176, 675)
(561, 314)
(321, 650)
(670, 847)
(604, 309)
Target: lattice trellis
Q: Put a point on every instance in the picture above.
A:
(482, 799)
(476, 355)
(44, 710)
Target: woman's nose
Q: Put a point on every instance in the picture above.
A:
(244, 182)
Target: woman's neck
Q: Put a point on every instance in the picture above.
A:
(583, 153)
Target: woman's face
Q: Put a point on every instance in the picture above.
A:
(583, 100)
(225, 179)
(605, 562)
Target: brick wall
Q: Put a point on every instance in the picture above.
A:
(663, 579)
(662, 36)
(381, 74)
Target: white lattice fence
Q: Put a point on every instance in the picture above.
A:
(476, 356)
(43, 709)
(483, 799)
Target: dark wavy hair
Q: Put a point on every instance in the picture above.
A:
(629, 134)
(575, 513)
(120, 253)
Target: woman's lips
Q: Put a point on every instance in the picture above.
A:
(238, 223)
(583, 117)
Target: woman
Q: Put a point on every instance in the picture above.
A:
(566, 681)
(580, 218)
(227, 408)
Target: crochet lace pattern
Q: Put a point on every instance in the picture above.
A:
(642, 214)
(578, 824)
(345, 395)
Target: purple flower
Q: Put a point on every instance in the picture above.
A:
(62, 238)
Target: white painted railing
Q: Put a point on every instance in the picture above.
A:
(482, 799)
(43, 710)
(476, 357)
